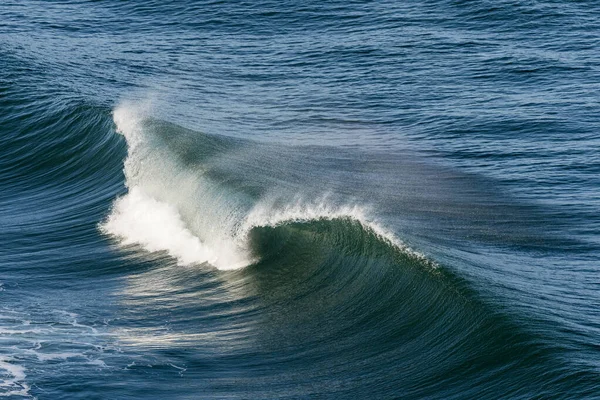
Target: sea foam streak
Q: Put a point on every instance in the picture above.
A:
(173, 209)
(12, 381)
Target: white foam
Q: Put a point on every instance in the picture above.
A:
(12, 381)
(267, 214)
(53, 356)
(58, 340)
(139, 219)
(97, 362)
(128, 118)
(8, 331)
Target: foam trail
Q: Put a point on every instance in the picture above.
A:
(12, 381)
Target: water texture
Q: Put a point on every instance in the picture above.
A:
(269, 200)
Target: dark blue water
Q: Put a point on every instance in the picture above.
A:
(391, 199)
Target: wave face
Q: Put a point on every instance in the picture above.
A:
(295, 200)
(218, 219)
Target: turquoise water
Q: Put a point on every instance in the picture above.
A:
(299, 199)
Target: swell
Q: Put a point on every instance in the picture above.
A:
(60, 169)
(327, 277)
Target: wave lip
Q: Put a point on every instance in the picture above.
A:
(301, 212)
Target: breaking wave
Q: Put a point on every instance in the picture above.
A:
(177, 207)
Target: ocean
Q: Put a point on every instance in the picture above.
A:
(300, 199)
